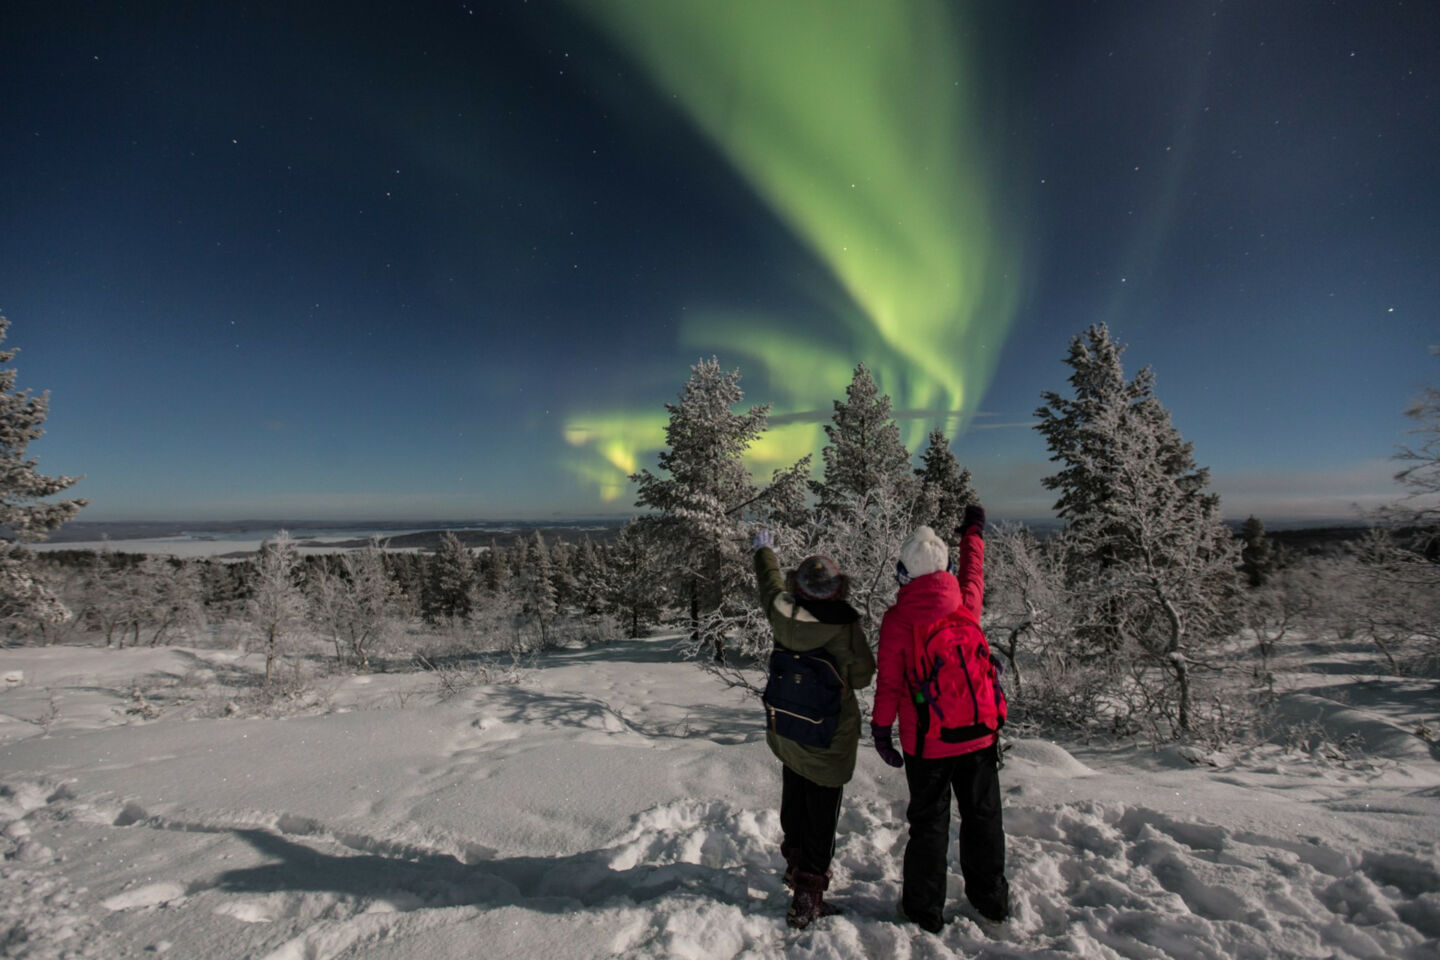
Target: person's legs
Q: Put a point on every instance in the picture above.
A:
(815, 837)
(792, 819)
(976, 783)
(922, 897)
(815, 811)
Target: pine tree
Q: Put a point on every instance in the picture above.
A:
(25, 602)
(703, 500)
(865, 453)
(1155, 560)
(945, 487)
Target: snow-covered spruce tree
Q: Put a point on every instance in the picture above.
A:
(277, 603)
(562, 574)
(1152, 568)
(25, 603)
(493, 569)
(945, 487)
(702, 497)
(408, 572)
(588, 572)
(449, 588)
(866, 498)
(631, 583)
(540, 604)
(1257, 553)
(864, 453)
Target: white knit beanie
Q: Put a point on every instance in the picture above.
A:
(923, 552)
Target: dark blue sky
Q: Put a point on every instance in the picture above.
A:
(381, 260)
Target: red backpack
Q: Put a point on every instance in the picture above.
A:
(955, 684)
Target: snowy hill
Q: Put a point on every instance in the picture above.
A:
(617, 803)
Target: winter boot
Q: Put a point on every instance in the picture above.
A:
(791, 853)
(994, 903)
(809, 903)
(931, 926)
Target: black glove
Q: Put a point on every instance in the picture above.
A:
(885, 746)
(974, 516)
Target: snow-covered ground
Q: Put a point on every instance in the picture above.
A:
(618, 803)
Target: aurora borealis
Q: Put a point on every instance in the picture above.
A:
(450, 260)
(854, 123)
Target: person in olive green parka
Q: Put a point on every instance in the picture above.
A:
(808, 611)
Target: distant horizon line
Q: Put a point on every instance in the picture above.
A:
(421, 523)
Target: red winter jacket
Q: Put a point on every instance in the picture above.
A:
(921, 601)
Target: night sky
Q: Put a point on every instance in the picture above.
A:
(449, 260)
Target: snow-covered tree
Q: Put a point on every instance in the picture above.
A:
(450, 587)
(1420, 478)
(1257, 553)
(174, 595)
(493, 569)
(704, 491)
(124, 596)
(408, 572)
(25, 516)
(865, 453)
(1399, 568)
(946, 488)
(589, 572)
(353, 599)
(539, 600)
(1151, 557)
(634, 588)
(866, 499)
(277, 603)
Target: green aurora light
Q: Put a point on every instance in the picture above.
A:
(856, 123)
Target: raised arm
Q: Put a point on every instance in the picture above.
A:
(767, 571)
(971, 573)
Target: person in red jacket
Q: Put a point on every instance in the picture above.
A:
(930, 589)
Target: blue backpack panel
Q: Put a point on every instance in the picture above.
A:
(802, 696)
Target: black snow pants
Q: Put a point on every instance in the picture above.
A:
(808, 816)
(974, 779)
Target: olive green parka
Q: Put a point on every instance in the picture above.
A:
(798, 630)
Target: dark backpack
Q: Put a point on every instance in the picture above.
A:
(955, 683)
(802, 697)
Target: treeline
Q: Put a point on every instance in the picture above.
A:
(1144, 613)
(531, 592)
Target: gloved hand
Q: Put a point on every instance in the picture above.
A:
(885, 746)
(763, 538)
(974, 516)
